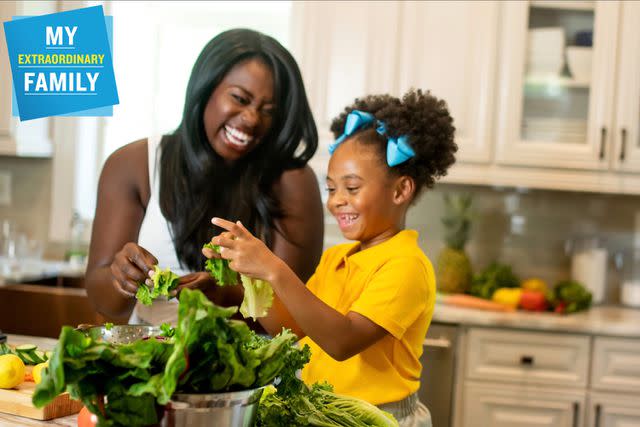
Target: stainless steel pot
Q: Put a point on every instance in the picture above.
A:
(232, 409)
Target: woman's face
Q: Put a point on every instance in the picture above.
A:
(240, 110)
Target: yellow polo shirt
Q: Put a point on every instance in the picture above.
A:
(393, 285)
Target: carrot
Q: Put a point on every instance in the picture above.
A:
(468, 301)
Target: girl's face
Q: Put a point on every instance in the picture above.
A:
(239, 112)
(361, 194)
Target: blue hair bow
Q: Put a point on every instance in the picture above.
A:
(398, 149)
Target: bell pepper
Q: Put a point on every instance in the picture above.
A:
(533, 301)
(507, 296)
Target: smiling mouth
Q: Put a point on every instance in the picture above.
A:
(345, 220)
(236, 137)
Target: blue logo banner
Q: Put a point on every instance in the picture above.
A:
(61, 64)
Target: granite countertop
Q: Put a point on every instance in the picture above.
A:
(599, 320)
(14, 420)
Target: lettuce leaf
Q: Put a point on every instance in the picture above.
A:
(258, 297)
(164, 281)
(258, 294)
(219, 268)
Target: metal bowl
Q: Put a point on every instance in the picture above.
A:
(231, 409)
(121, 334)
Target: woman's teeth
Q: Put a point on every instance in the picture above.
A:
(237, 137)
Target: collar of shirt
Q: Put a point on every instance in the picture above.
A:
(380, 252)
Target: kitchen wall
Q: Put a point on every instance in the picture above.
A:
(527, 229)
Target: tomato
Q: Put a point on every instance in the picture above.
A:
(86, 418)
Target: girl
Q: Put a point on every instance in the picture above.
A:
(366, 310)
(241, 150)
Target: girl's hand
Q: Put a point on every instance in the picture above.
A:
(131, 266)
(247, 254)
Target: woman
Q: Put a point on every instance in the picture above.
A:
(240, 151)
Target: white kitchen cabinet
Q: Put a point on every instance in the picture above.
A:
(450, 49)
(31, 138)
(491, 405)
(626, 133)
(554, 110)
(613, 410)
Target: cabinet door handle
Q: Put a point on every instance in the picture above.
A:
(597, 416)
(603, 141)
(623, 143)
(527, 360)
(576, 409)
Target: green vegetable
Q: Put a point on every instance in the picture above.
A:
(570, 296)
(208, 353)
(167, 330)
(295, 404)
(90, 369)
(495, 276)
(219, 268)
(108, 326)
(258, 294)
(258, 297)
(164, 281)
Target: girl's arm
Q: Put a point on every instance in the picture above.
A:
(341, 336)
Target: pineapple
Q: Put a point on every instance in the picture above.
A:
(453, 267)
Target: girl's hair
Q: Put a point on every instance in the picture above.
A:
(425, 120)
(195, 182)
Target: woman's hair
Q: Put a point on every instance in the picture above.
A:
(423, 118)
(196, 183)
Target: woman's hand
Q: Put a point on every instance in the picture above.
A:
(131, 265)
(247, 254)
(200, 280)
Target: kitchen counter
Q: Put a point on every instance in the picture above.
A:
(7, 420)
(599, 320)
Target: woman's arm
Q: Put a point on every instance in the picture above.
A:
(341, 336)
(116, 264)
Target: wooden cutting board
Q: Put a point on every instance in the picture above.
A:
(17, 401)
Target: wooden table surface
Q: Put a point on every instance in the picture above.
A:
(7, 420)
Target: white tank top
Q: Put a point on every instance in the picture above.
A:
(155, 237)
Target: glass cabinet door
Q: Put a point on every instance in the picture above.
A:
(626, 134)
(557, 68)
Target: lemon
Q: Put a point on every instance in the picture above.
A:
(11, 371)
(37, 371)
(534, 284)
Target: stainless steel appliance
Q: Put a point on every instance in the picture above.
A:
(438, 372)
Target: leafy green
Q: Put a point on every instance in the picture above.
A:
(258, 294)
(108, 326)
(219, 268)
(258, 297)
(167, 330)
(495, 276)
(92, 370)
(212, 353)
(164, 281)
(570, 296)
(293, 403)
(209, 352)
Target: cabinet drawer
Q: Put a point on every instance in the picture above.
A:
(616, 364)
(528, 357)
